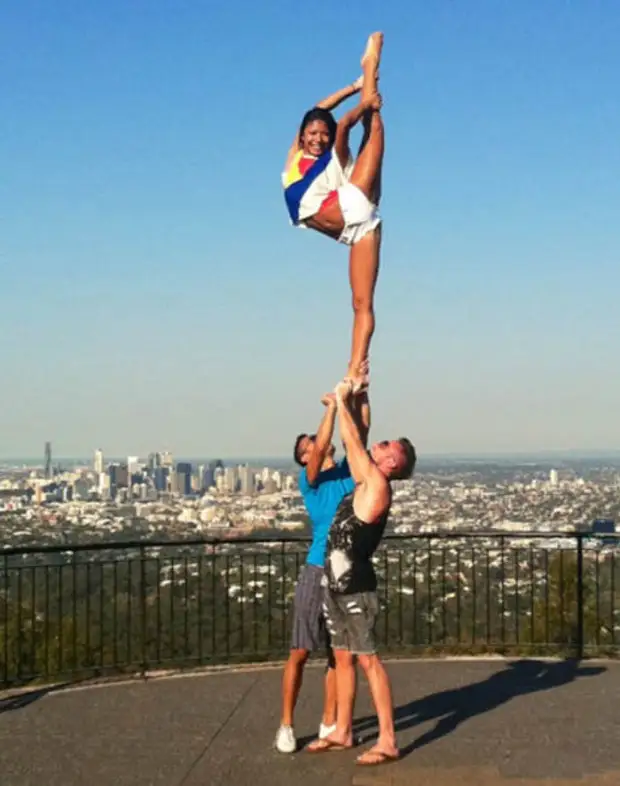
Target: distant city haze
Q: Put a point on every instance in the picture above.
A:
(154, 297)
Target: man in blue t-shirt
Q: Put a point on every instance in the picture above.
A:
(323, 483)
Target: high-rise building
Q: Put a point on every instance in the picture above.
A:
(119, 476)
(160, 478)
(48, 459)
(553, 477)
(154, 461)
(230, 476)
(208, 477)
(246, 479)
(270, 486)
(133, 465)
(184, 478)
(98, 462)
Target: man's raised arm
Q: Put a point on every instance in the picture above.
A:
(360, 409)
(373, 490)
(323, 439)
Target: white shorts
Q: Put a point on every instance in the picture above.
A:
(360, 215)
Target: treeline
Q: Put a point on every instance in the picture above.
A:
(78, 616)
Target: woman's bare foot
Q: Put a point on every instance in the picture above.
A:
(373, 49)
(370, 65)
(359, 377)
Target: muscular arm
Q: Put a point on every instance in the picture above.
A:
(360, 409)
(372, 495)
(322, 442)
(331, 102)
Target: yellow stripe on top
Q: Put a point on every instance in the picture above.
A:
(294, 175)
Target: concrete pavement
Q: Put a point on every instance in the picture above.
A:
(483, 722)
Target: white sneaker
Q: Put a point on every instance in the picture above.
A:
(285, 740)
(325, 731)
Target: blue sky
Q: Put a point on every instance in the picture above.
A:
(153, 295)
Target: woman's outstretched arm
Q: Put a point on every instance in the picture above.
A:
(335, 99)
(346, 123)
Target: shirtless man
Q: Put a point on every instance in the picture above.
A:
(351, 604)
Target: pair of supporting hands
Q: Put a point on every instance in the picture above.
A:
(349, 387)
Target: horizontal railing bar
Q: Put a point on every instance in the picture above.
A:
(304, 539)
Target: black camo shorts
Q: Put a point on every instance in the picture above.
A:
(351, 621)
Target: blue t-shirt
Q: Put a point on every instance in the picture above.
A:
(321, 501)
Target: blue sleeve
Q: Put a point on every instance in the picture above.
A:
(302, 482)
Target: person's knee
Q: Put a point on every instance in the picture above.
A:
(298, 657)
(363, 304)
(369, 662)
(343, 658)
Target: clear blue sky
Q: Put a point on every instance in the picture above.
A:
(153, 295)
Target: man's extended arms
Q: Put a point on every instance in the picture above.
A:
(360, 409)
(372, 496)
(323, 439)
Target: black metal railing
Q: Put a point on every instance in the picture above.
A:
(88, 610)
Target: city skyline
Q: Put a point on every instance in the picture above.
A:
(147, 297)
(612, 454)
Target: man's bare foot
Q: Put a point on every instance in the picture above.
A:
(330, 743)
(373, 49)
(378, 755)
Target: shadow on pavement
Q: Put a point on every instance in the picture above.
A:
(452, 707)
(21, 700)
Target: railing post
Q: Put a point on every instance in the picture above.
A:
(5, 676)
(580, 601)
(143, 658)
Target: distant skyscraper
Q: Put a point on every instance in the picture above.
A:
(208, 478)
(118, 475)
(184, 478)
(98, 462)
(160, 478)
(553, 477)
(48, 459)
(270, 486)
(230, 475)
(154, 461)
(246, 478)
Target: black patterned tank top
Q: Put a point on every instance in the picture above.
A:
(350, 546)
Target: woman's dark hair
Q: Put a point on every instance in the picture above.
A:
(319, 114)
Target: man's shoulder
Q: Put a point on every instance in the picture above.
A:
(303, 483)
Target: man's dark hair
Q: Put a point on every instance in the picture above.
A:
(317, 113)
(410, 460)
(296, 449)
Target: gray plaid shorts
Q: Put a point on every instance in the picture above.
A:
(308, 622)
(351, 620)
